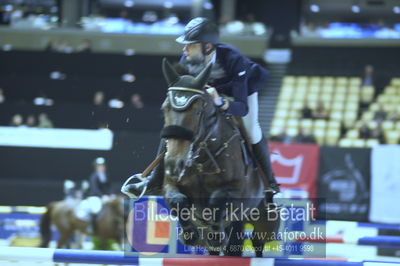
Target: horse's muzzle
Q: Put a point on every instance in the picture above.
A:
(175, 167)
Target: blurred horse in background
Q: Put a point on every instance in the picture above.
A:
(68, 217)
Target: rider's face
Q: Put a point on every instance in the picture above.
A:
(100, 168)
(193, 51)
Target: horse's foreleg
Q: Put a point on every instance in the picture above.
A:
(64, 237)
(236, 239)
(177, 203)
(175, 199)
(258, 245)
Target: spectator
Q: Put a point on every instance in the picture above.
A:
(136, 101)
(115, 103)
(84, 47)
(99, 111)
(282, 137)
(394, 116)
(17, 121)
(102, 124)
(320, 112)
(44, 121)
(380, 114)
(128, 77)
(124, 14)
(306, 112)
(51, 47)
(16, 15)
(377, 133)
(368, 78)
(43, 100)
(309, 30)
(31, 121)
(98, 98)
(5, 15)
(249, 18)
(2, 97)
(364, 131)
(305, 136)
(64, 47)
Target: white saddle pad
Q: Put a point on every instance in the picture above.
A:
(91, 205)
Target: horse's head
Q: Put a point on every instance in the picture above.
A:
(186, 110)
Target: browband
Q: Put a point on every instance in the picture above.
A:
(185, 89)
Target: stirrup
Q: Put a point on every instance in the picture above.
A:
(272, 190)
(131, 195)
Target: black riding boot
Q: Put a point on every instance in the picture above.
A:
(155, 180)
(261, 152)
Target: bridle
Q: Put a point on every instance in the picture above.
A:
(199, 142)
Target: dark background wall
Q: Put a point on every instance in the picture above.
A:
(35, 176)
(25, 74)
(87, 116)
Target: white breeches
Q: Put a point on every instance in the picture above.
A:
(91, 205)
(250, 121)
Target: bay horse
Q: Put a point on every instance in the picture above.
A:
(207, 170)
(61, 214)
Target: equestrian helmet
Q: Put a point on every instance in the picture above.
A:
(199, 30)
(99, 161)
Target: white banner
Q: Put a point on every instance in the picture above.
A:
(86, 139)
(385, 184)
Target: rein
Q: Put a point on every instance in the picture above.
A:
(203, 145)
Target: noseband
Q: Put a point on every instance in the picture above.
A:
(177, 132)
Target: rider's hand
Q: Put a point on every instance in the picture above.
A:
(216, 98)
(214, 94)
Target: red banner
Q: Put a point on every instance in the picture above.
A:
(296, 168)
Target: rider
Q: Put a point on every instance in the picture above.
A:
(70, 190)
(233, 75)
(99, 187)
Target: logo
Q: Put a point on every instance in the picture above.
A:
(287, 170)
(149, 226)
(242, 73)
(180, 100)
(347, 183)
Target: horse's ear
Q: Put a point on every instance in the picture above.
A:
(202, 78)
(170, 74)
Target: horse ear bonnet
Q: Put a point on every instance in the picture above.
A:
(202, 78)
(170, 74)
(180, 99)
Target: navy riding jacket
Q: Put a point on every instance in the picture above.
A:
(243, 77)
(98, 188)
